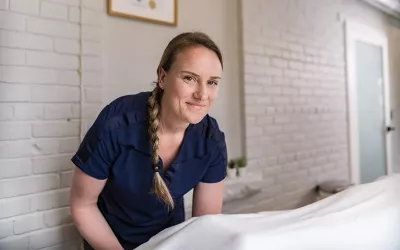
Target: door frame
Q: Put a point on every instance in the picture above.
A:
(356, 31)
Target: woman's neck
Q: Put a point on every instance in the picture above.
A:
(169, 124)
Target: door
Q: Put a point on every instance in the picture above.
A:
(369, 104)
(370, 115)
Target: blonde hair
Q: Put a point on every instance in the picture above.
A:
(180, 42)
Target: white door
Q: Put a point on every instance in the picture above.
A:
(369, 105)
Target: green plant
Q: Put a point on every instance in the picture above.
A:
(232, 164)
(241, 162)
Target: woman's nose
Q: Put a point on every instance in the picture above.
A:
(201, 93)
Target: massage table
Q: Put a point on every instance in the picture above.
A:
(362, 217)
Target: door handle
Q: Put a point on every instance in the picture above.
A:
(390, 128)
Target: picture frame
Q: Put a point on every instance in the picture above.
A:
(156, 11)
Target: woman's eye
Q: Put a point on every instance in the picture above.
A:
(188, 78)
(213, 83)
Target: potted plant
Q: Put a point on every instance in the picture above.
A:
(232, 169)
(241, 164)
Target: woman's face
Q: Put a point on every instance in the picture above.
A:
(191, 85)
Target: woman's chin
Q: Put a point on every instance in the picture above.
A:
(194, 118)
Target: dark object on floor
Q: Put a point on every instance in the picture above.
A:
(328, 188)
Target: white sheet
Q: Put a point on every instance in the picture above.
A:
(364, 217)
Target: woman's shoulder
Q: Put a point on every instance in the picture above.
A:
(136, 103)
(123, 111)
(211, 129)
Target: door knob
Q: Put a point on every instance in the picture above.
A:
(390, 128)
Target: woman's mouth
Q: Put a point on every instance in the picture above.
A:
(196, 106)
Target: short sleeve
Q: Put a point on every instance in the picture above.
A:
(97, 151)
(216, 172)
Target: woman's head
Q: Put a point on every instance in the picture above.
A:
(189, 74)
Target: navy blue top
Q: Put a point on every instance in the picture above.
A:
(117, 147)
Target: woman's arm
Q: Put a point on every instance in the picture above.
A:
(208, 198)
(86, 215)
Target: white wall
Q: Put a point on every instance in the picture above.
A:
(132, 50)
(295, 92)
(44, 108)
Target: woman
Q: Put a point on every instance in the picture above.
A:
(145, 151)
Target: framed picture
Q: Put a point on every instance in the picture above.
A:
(156, 11)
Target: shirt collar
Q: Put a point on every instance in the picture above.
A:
(193, 145)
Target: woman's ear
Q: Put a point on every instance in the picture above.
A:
(161, 77)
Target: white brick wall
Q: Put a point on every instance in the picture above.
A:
(68, 77)
(68, 46)
(15, 168)
(14, 39)
(41, 96)
(67, 2)
(28, 223)
(13, 93)
(12, 56)
(295, 104)
(28, 185)
(91, 62)
(27, 75)
(94, 5)
(57, 217)
(53, 10)
(25, 6)
(50, 164)
(53, 94)
(12, 21)
(51, 60)
(53, 27)
(14, 131)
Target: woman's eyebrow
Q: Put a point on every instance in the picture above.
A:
(188, 72)
(196, 75)
(215, 77)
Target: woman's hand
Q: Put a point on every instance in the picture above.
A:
(86, 215)
(208, 198)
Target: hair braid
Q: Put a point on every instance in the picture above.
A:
(160, 189)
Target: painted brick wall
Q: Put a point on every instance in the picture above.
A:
(295, 93)
(50, 92)
(91, 92)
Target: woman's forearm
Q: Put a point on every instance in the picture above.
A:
(94, 228)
